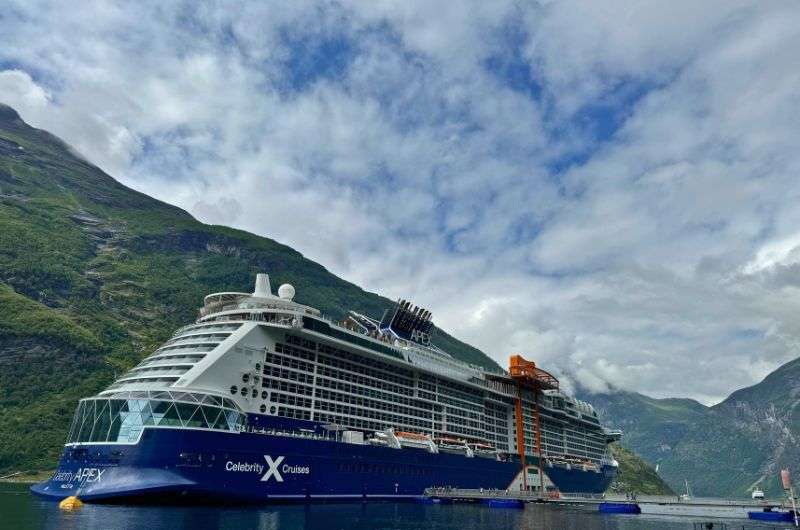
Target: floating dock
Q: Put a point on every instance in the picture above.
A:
(615, 503)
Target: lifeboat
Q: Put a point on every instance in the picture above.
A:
(454, 446)
(380, 439)
(411, 435)
(483, 450)
(413, 440)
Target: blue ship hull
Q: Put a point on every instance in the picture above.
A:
(186, 464)
(576, 480)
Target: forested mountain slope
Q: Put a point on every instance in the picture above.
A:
(726, 449)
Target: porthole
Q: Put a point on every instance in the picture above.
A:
(234, 389)
(244, 391)
(272, 410)
(258, 367)
(263, 409)
(264, 394)
(245, 378)
(255, 393)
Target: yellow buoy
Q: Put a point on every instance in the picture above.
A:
(70, 503)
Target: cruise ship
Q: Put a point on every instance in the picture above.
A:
(264, 399)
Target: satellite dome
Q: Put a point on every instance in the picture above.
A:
(286, 291)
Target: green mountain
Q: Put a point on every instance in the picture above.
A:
(724, 450)
(94, 275)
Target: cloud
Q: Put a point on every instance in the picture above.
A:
(225, 211)
(782, 252)
(22, 93)
(607, 188)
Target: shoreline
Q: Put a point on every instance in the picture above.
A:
(26, 477)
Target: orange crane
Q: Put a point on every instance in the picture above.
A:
(529, 377)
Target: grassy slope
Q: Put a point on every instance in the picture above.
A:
(636, 476)
(40, 345)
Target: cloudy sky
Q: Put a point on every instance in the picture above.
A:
(610, 188)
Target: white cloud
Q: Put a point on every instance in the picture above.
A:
(22, 93)
(629, 216)
(782, 252)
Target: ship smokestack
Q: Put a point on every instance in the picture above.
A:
(263, 289)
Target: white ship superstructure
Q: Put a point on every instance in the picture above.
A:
(261, 365)
(274, 356)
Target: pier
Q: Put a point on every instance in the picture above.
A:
(646, 504)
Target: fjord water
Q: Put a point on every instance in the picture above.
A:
(21, 510)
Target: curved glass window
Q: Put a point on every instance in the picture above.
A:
(121, 417)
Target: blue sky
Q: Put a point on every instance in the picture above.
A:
(609, 188)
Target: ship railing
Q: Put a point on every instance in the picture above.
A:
(189, 340)
(309, 435)
(271, 317)
(228, 318)
(183, 348)
(202, 328)
(184, 328)
(283, 319)
(216, 307)
(169, 361)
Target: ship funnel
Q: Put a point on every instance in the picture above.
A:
(262, 286)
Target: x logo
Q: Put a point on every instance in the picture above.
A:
(272, 468)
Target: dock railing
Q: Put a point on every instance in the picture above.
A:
(694, 501)
(446, 491)
(533, 496)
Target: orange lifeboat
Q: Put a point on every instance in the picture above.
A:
(412, 435)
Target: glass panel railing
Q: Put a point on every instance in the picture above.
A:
(113, 420)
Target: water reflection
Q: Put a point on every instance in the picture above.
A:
(20, 510)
